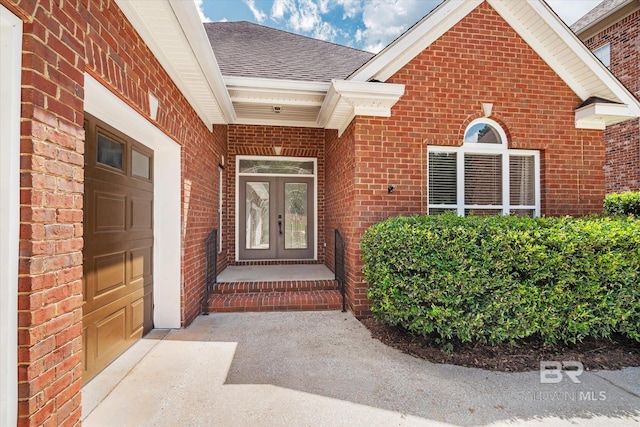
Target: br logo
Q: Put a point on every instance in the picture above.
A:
(551, 371)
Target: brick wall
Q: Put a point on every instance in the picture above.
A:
(339, 200)
(200, 164)
(622, 141)
(481, 59)
(61, 41)
(259, 141)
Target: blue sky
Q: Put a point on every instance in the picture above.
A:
(363, 24)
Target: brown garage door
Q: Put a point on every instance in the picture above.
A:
(118, 245)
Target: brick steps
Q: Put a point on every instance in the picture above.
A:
(301, 295)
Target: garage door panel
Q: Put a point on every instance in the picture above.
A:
(118, 250)
(110, 212)
(137, 316)
(110, 273)
(141, 262)
(110, 330)
(141, 214)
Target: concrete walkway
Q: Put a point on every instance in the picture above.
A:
(324, 369)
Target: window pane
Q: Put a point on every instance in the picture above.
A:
(522, 189)
(295, 217)
(140, 164)
(441, 211)
(482, 212)
(281, 167)
(482, 133)
(257, 215)
(522, 212)
(483, 179)
(110, 152)
(603, 53)
(442, 184)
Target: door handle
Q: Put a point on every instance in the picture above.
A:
(280, 224)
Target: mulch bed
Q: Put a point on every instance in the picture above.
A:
(615, 353)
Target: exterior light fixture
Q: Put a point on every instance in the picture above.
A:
(277, 109)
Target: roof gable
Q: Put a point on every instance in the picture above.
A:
(538, 26)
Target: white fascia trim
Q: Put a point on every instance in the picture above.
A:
(347, 99)
(415, 40)
(273, 85)
(207, 72)
(189, 20)
(601, 115)
(10, 81)
(167, 242)
(275, 122)
(575, 45)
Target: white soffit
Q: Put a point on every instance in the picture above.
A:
(347, 99)
(174, 33)
(601, 115)
(563, 51)
(276, 102)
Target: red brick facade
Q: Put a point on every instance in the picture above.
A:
(62, 40)
(622, 141)
(244, 140)
(481, 59)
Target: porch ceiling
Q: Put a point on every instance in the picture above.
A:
(276, 102)
(309, 104)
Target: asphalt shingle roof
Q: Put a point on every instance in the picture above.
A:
(244, 49)
(596, 14)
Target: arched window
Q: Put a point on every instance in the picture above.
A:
(483, 176)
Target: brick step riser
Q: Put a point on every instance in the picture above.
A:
(280, 286)
(276, 301)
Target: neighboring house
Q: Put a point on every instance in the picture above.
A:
(612, 31)
(124, 143)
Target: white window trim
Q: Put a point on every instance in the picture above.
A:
(167, 247)
(487, 149)
(10, 81)
(278, 158)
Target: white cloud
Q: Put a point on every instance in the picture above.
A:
(258, 15)
(572, 10)
(306, 17)
(385, 20)
(203, 17)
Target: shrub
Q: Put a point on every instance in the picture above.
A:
(500, 279)
(627, 203)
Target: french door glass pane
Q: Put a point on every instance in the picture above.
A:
(257, 215)
(483, 179)
(442, 178)
(295, 217)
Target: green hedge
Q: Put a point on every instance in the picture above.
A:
(500, 279)
(627, 203)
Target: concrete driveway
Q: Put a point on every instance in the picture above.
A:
(324, 369)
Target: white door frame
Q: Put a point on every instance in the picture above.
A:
(277, 158)
(167, 244)
(10, 81)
